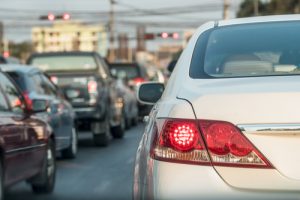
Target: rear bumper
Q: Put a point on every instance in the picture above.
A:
(89, 113)
(181, 181)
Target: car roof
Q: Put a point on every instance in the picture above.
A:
(25, 69)
(261, 19)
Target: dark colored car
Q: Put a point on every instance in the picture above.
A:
(27, 145)
(135, 75)
(86, 82)
(34, 84)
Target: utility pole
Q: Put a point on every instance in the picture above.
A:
(226, 9)
(111, 55)
(255, 6)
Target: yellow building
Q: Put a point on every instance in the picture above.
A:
(70, 36)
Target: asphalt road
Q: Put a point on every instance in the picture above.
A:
(97, 173)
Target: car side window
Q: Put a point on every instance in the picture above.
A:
(14, 96)
(37, 83)
(3, 103)
(102, 68)
(48, 86)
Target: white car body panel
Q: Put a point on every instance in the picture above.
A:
(246, 101)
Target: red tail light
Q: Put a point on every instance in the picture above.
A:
(138, 80)
(227, 146)
(27, 100)
(180, 141)
(92, 86)
(223, 145)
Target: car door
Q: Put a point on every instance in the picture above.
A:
(16, 139)
(61, 110)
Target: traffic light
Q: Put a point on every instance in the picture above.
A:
(165, 35)
(52, 17)
(6, 54)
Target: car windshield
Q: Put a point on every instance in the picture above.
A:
(64, 62)
(261, 49)
(128, 71)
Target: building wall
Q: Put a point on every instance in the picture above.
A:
(70, 36)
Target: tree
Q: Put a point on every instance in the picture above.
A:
(271, 7)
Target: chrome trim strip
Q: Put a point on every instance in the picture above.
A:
(270, 129)
(26, 148)
(84, 109)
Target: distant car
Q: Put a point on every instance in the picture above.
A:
(85, 80)
(227, 125)
(27, 142)
(130, 102)
(135, 75)
(60, 115)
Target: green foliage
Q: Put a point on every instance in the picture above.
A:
(21, 50)
(271, 7)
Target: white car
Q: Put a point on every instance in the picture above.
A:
(227, 125)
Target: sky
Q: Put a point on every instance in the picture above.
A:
(19, 16)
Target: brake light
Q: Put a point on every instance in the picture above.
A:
(27, 100)
(219, 143)
(92, 86)
(138, 80)
(180, 141)
(54, 79)
(227, 146)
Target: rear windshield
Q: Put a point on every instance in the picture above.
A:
(64, 62)
(261, 49)
(128, 71)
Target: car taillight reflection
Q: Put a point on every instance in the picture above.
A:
(27, 100)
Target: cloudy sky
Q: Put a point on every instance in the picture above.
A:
(158, 15)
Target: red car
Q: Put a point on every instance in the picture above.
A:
(27, 148)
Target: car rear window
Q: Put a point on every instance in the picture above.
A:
(64, 62)
(129, 71)
(260, 49)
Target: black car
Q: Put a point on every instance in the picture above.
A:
(34, 84)
(135, 74)
(86, 81)
(27, 145)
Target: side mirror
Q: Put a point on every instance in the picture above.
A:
(149, 93)
(39, 105)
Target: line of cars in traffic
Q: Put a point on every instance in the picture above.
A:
(45, 103)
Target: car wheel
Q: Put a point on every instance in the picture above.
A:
(118, 131)
(135, 120)
(46, 179)
(102, 139)
(71, 151)
(128, 123)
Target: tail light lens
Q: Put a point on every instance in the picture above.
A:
(92, 86)
(27, 100)
(180, 141)
(218, 143)
(227, 146)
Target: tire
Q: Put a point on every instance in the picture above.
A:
(45, 181)
(119, 131)
(101, 139)
(135, 121)
(128, 123)
(71, 151)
